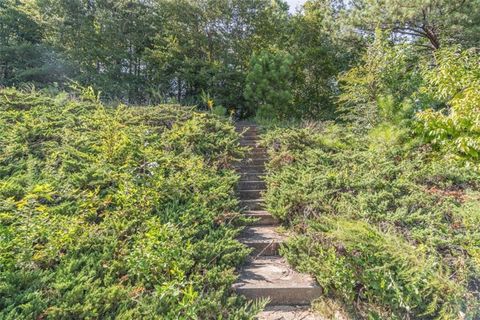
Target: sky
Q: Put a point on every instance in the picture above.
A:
(295, 3)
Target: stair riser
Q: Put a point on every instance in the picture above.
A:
(252, 169)
(252, 205)
(263, 249)
(262, 219)
(282, 296)
(251, 185)
(250, 194)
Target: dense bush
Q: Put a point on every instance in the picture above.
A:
(384, 80)
(380, 223)
(454, 84)
(115, 212)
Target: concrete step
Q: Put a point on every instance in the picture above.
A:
(244, 125)
(251, 169)
(256, 204)
(264, 240)
(248, 143)
(247, 130)
(261, 157)
(255, 160)
(271, 277)
(250, 194)
(263, 218)
(251, 185)
(257, 151)
(288, 313)
(249, 136)
(252, 160)
(244, 176)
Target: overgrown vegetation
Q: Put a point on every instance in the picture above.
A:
(125, 212)
(115, 212)
(387, 204)
(164, 51)
(455, 84)
(380, 224)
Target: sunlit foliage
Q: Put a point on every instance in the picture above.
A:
(115, 212)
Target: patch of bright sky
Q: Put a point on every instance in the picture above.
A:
(294, 4)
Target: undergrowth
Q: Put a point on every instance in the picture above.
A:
(116, 212)
(388, 228)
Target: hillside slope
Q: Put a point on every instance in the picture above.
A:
(115, 212)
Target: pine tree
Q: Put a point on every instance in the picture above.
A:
(268, 84)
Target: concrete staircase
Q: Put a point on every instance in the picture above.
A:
(266, 274)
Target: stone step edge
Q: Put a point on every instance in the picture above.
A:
(257, 213)
(262, 218)
(252, 205)
(253, 182)
(295, 296)
(250, 194)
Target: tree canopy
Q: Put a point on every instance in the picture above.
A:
(162, 50)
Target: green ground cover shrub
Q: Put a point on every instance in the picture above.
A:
(115, 212)
(383, 224)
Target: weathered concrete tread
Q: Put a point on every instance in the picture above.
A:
(250, 176)
(263, 217)
(271, 277)
(264, 240)
(250, 136)
(261, 234)
(251, 185)
(250, 194)
(251, 169)
(256, 204)
(257, 151)
(255, 160)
